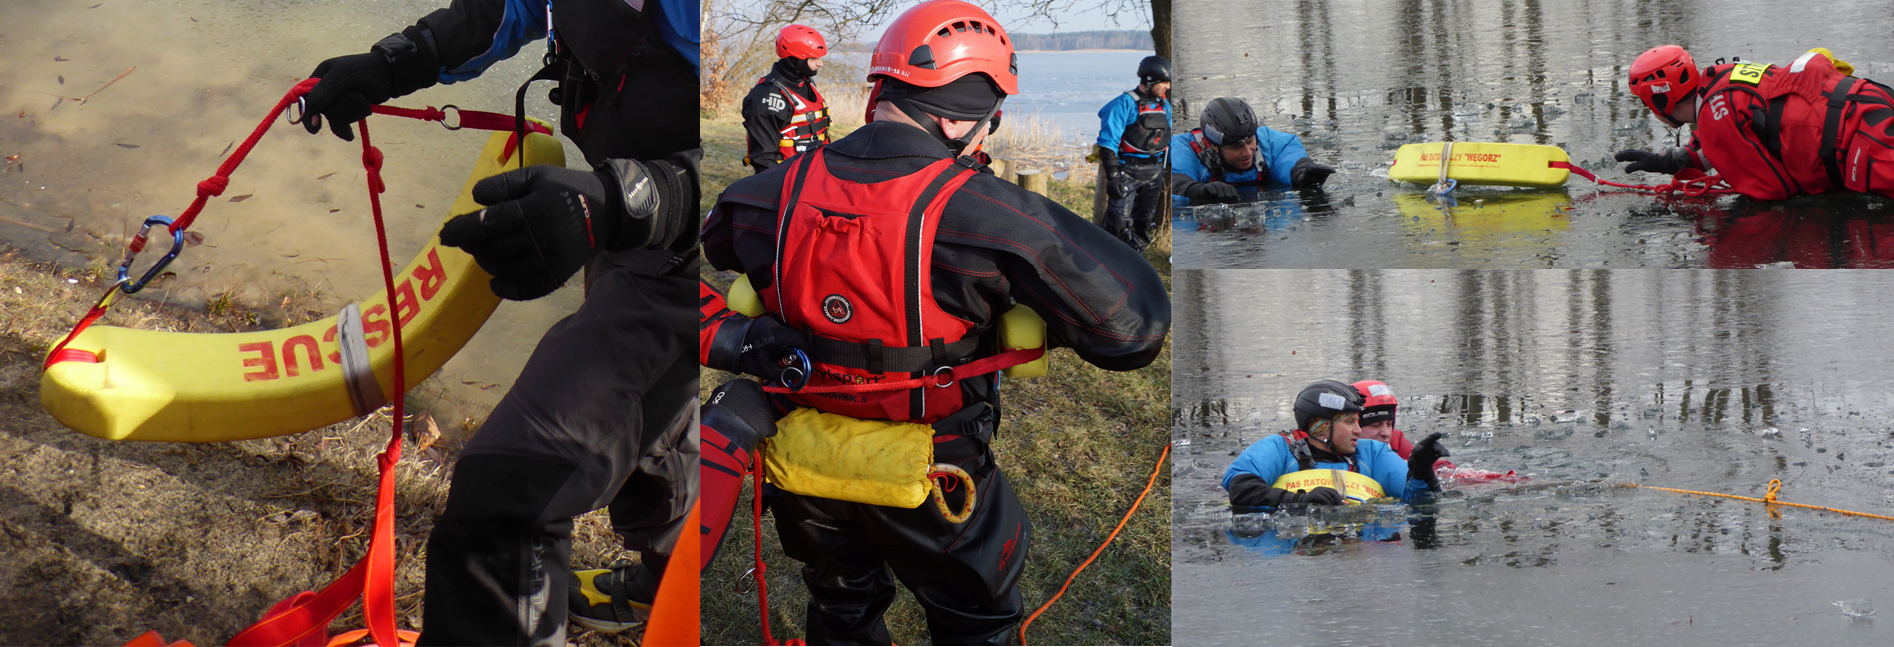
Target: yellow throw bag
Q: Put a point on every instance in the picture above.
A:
(1355, 487)
(877, 462)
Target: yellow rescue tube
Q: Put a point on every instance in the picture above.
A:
(1482, 163)
(743, 299)
(1355, 487)
(1022, 328)
(170, 386)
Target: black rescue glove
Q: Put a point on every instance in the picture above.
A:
(740, 411)
(1317, 496)
(352, 85)
(1211, 192)
(543, 223)
(767, 346)
(1668, 162)
(1307, 174)
(1420, 463)
(1116, 184)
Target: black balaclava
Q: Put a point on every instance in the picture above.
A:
(795, 68)
(973, 97)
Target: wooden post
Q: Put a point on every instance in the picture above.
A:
(1034, 180)
(1003, 169)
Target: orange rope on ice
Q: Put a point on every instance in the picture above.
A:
(1775, 486)
(1101, 547)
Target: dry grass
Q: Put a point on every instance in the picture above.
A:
(102, 540)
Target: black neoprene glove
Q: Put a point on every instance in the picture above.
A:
(1317, 496)
(1307, 174)
(1668, 162)
(766, 346)
(352, 85)
(1420, 463)
(1211, 192)
(743, 403)
(1116, 185)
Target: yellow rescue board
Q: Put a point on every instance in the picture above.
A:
(1355, 487)
(170, 386)
(1481, 163)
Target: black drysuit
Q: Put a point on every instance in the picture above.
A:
(996, 242)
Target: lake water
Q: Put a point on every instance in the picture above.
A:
(1581, 381)
(1356, 80)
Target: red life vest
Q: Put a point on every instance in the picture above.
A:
(808, 120)
(853, 271)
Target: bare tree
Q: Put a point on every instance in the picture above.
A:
(743, 33)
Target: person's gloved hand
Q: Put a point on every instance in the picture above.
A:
(1668, 162)
(541, 225)
(1211, 192)
(1318, 496)
(745, 401)
(1420, 463)
(1307, 174)
(352, 85)
(766, 348)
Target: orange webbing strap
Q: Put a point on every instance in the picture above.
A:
(1101, 547)
(954, 374)
(1768, 499)
(674, 617)
(307, 615)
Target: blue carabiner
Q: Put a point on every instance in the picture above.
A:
(802, 369)
(138, 244)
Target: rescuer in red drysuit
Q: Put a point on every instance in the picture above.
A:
(942, 249)
(1771, 132)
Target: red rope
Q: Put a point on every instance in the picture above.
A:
(1690, 183)
(762, 583)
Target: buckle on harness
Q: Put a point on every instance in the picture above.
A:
(949, 371)
(138, 245)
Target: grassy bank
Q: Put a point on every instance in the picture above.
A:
(102, 540)
(1077, 444)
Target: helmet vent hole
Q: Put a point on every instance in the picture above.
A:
(943, 33)
(960, 27)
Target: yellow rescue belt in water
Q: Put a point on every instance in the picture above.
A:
(878, 462)
(1354, 486)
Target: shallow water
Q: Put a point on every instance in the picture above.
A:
(206, 73)
(1357, 80)
(1583, 381)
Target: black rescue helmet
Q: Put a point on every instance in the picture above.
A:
(1325, 399)
(1154, 70)
(1229, 121)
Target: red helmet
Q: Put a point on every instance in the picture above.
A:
(1664, 77)
(1380, 401)
(798, 41)
(939, 41)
